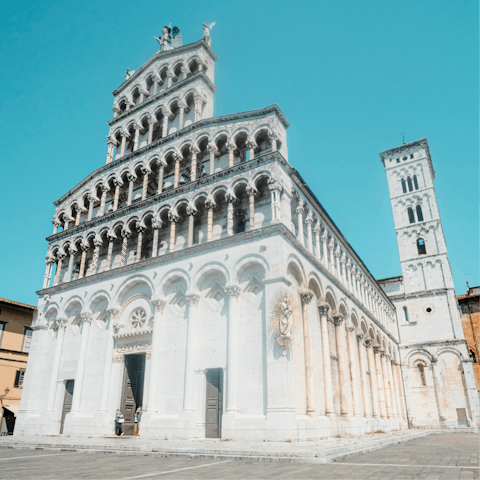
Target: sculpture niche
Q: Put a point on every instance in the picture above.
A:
(284, 319)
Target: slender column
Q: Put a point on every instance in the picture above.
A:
(367, 413)
(177, 170)
(96, 254)
(146, 172)
(188, 395)
(49, 260)
(393, 391)
(82, 356)
(181, 115)
(170, 76)
(381, 387)
(251, 145)
(306, 297)
(309, 221)
(84, 249)
(156, 225)
(193, 175)
(161, 169)
(107, 369)
(140, 230)
(213, 151)
(299, 211)
(185, 72)
(116, 111)
(233, 291)
(110, 147)
(78, 211)
(331, 248)
(327, 369)
(91, 201)
(103, 200)
(230, 200)
(55, 226)
(337, 254)
(338, 321)
(197, 100)
(71, 252)
(273, 138)
(191, 211)
(56, 280)
(438, 390)
(122, 146)
(316, 231)
(343, 261)
(61, 325)
(158, 305)
(324, 239)
(352, 361)
(210, 204)
(66, 221)
(398, 375)
(151, 123)
(125, 236)
(137, 129)
(117, 184)
(231, 148)
(386, 384)
(251, 192)
(173, 221)
(111, 239)
(373, 379)
(131, 180)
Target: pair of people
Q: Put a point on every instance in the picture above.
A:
(120, 419)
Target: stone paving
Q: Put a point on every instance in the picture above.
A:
(437, 456)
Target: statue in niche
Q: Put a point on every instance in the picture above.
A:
(206, 31)
(165, 41)
(286, 317)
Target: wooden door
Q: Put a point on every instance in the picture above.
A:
(67, 401)
(213, 414)
(132, 390)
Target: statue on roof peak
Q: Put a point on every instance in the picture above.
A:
(206, 32)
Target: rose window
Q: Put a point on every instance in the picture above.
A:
(138, 318)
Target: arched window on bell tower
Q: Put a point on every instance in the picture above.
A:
(411, 216)
(415, 182)
(421, 374)
(410, 184)
(404, 186)
(419, 213)
(422, 249)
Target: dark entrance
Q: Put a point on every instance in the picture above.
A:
(132, 390)
(213, 414)
(67, 401)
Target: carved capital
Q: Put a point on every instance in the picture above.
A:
(114, 313)
(232, 290)
(158, 304)
(173, 217)
(61, 322)
(323, 307)
(157, 223)
(87, 316)
(309, 218)
(337, 319)
(126, 233)
(193, 299)
(140, 227)
(306, 296)
(368, 342)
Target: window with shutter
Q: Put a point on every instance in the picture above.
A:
(27, 339)
(19, 378)
(2, 328)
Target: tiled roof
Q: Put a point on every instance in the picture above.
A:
(18, 304)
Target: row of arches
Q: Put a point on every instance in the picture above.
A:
(411, 184)
(411, 214)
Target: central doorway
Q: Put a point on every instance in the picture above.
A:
(132, 397)
(214, 407)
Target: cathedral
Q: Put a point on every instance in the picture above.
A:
(195, 276)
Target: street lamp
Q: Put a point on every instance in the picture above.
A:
(7, 390)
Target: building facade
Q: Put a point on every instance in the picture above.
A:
(469, 305)
(15, 338)
(196, 275)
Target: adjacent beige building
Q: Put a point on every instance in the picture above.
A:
(15, 337)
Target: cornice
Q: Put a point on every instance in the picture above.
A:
(424, 223)
(392, 151)
(163, 55)
(184, 188)
(434, 343)
(199, 75)
(190, 128)
(429, 293)
(133, 333)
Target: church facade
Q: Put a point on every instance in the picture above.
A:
(196, 276)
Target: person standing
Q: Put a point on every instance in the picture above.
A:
(138, 416)
(118, 423)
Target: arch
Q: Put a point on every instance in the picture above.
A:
(419, 213)
(208, 270)
(315, 286)
(171, 276)
(421, 247)
(420, 353)
(330, 299)
(71, 301)
(96, 296)
(248, 261)
(132, 286)
(295, 269)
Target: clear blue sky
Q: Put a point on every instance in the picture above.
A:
(349, 76)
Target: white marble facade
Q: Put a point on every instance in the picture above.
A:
(178, 249)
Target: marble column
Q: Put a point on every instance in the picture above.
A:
(111, 238)
(48, 271)
(131, 181)
(393, 391)
(107, 367)
(158, 305)
(177, 159)
(380, 385)
(60, 257)
(367, 410)
(337, 254)
(373, 378)
(188, 396)
(352, 357)
(116, 196)
(343, 262)
(151, 123)
(96, 254)
(299, 211)
(103, 199)
(316, 231)
(308, 222)
(140, 230)
(210, 204)
(324, 239)
(230, 200)
(251, 145)
(327, 369)
(166, 114)
(231, 148)
(273, 139)
(122, 145)
(193, 170)
(137, 129)
(306, 297)
(438, 390)
(60, 324)
(161, 168)
(232, 291)
(181, 115)
(173, 223)
(331, 261)
(156, 225)
(125, 236)
(251, 192)
(71, 252)
(212, 149)
(191, 212)
(78, 212)
(110, 148)
(55, 226)
(82, 356)
(146, 172)
(197, 100)
(342, 377)
(398, 376)
(91, 202)
(84, 249)
(386, 384)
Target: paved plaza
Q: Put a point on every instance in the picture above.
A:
(435, 456)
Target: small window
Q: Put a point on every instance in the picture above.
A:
(405, 311)
(411, 217)
(419, 213)
(411, 155)
(405, 158)
(422, 249)
(410, 184)
(27, 340)
(19, 378)
(415, 182)
(421, 372)
(404, 186)
(398, 160)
